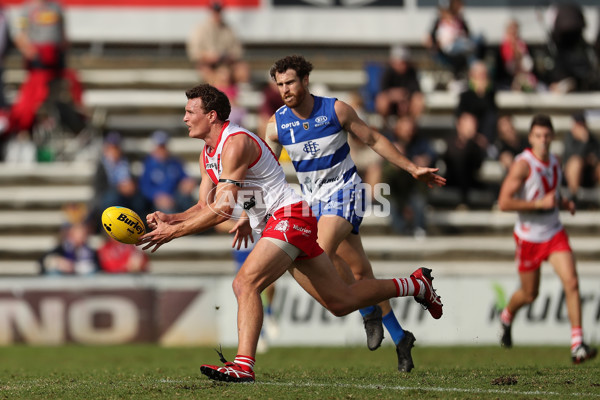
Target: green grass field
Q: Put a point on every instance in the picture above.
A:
(152, 372)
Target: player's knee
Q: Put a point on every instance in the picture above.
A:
(571, 285)
(338, 309)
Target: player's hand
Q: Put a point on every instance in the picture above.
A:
(429, 176)
(162, 233)
(151, 219)
(243, 232)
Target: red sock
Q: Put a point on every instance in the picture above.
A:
(576, 337)
(247, 363)
(407, 287)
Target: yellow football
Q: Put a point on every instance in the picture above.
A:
(123, 224)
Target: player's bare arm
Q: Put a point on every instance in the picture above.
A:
(517, 174)
(271, 137)
(205, 196)
(352, 123)
(238, 153)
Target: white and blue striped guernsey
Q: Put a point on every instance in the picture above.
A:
(319, 150)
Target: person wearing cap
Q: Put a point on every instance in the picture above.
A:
(581, 155)
(213, 44)
(400, 92)
(114, 184)
(164, 183)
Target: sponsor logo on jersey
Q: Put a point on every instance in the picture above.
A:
(321, 120)
(290, 125)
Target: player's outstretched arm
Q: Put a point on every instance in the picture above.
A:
(382, 146)
(238, 153)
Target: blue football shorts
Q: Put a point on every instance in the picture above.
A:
(348, 203)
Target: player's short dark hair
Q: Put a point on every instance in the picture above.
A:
(541, 120)
(212, 99)
(295, 62)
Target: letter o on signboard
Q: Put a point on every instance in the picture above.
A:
(123, 313)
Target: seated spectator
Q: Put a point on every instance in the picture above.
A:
(114, 184)
(581, 156)
(574, 65)
(400, 92)
(164, 182)
(409, 196)
(73, 255)
(213, 43)
(514, 66)
(451, 41)
(508, 143)
(480, 100)
(118, 258)
(465, 153)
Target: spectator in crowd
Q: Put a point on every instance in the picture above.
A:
(581, 155)
(114, 184)
(225, 82)
(574, 64)
(164, 183)
(408, 196)
(214, 43)
(5, 43)
(119, 258)
(42, 41)
(514, 64)
(451, 40)
(73, 255)
(400, 92)
(465, 153)
(480, 100)
(508, 143)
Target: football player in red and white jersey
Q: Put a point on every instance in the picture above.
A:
(532, 189)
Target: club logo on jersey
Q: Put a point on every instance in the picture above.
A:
(282, 226)
(305, 125)
(311, 147)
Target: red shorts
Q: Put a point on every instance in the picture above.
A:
(530, 255)
(296, 225)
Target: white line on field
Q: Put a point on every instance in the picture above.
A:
(425, 389)
(431, 389)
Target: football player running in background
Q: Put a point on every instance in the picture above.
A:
(532, 189)
(314, 131)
